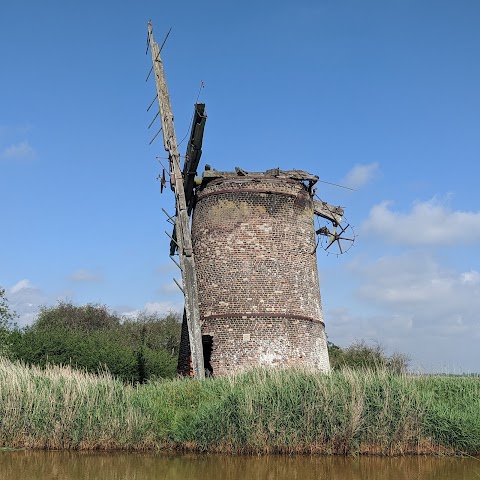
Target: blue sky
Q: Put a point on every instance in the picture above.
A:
(381, 96)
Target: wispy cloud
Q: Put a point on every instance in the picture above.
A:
(160, 308)
(11, 131)
(83, 275)
(21, 285)
(430, 223)
(360, 175)
(25, 299)
(164, 307)
(472, 277)
(18, 152)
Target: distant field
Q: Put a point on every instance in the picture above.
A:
(289, 411)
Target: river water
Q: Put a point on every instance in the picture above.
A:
(40, 465)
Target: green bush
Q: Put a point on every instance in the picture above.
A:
(88, 318)
(7, 317)
(139, 349)
(91, 338)
(361, 355)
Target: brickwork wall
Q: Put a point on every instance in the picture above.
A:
(254, 245)
(240, 343)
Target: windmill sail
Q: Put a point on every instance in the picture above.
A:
(182, 232)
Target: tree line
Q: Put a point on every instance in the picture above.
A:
(135, 350)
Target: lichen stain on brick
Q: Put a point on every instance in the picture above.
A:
(235, 211)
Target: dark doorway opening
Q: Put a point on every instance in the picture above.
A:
(207, 343)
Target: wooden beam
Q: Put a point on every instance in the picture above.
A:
(324, 210)
(299, 175)
(182, 220)
(194, 152)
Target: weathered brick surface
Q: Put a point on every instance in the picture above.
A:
(254, 245)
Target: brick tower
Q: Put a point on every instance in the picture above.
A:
(255, 251)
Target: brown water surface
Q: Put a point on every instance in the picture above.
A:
(40, 465)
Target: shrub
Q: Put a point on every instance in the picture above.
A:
(91, 338)
(365, 356)
(7, 317)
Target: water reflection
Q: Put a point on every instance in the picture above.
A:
(22, 465)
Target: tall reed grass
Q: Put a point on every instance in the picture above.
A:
(62, 408)
(261, 411)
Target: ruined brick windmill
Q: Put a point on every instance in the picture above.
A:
(248, 259)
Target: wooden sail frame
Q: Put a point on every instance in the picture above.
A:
(183, 237)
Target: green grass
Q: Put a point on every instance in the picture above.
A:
(261, 411)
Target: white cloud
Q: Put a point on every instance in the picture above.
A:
(412, 277)
(18, 151)
(413, 304)
(360, 175)
(417, 287)
(451, 349)
(429, 223)
(25, 299)
(83, 275)
(472, 277)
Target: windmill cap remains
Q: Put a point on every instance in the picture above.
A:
(322, 209)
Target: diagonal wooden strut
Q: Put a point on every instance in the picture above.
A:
(182, 220)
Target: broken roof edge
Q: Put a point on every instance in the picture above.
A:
(299, 175)
(320, 208)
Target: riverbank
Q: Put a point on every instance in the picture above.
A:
(348, 412)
